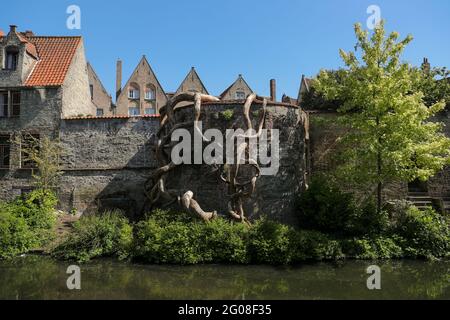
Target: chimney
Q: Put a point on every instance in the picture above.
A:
(29, 33)
(273, 90)
(426, 67)
(12, 28)
(118, 78)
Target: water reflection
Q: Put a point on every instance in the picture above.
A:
(35, 277)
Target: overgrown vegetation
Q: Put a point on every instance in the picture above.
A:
(165, 237)
(227, 114)
(105, 235)
(26, 223)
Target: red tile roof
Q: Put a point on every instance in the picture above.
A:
(112, 117)
(55, 57)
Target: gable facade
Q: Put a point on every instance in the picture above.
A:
(142, 94)
(239, 90)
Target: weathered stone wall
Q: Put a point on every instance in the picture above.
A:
(142, 76)
(275, 195)
(106, 163)
(40, 113)
(100, 97)
(25, 63)
(76, 94)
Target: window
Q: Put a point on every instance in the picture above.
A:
(3, 104)
(133, 109)
(5, 148)
(150, 111)
(15, 104)
(240, 95)
(91, 88)
(99, 112)
(150, 92)
(30, 142)
(133, 91)
(12, 58)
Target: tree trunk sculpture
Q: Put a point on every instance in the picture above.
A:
(239, 188)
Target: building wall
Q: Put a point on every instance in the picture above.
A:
(25, 63)
(239, 85)
(40, 113)
(275, 195)
(142, 76)
(100, 97)
(76, 93)
(106, 162)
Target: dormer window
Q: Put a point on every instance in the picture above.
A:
(12, 58)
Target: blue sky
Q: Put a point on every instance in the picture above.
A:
(261, 39)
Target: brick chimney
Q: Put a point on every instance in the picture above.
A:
(29, 33)
(426, 67)
(273, 90)
(13, 28)
(118, 78)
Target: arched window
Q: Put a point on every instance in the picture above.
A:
(12, 58)
(133, 109)
(150, 92)
(133, 91)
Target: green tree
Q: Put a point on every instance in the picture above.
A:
(44, 155)
(392, 137)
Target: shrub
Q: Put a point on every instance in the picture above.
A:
(108, 234)
(269, 242)
(26, 223)
(425, 233)
(224, 242)
(313, 245)
(15, 235)
(227, 114)
(324, 207)
(159, 241)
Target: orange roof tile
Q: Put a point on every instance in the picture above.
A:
(112, 117)
(55, 56)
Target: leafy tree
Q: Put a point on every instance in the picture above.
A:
(44, 154)
(391, 136)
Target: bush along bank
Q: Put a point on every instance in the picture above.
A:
(175, 238)
(27, 223)
(331, 226)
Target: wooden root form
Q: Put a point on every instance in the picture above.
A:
(230, 173)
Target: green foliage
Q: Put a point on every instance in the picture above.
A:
(392, 136)
(224, 242)
(313, 245)
(270, 242)
(26, 223)
(16, 236)
(108, 234)
(160, 240)
(325, 208)
(425, 233)
(227, 114)
(44, 153)
(375, 248)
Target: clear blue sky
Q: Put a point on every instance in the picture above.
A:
(261, 39)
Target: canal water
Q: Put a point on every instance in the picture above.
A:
(39, 277)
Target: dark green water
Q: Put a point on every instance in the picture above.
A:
(36, 277)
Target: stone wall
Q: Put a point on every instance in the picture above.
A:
(76, 94)
(275, 195)
(106, 162)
